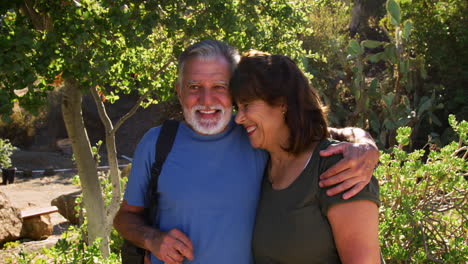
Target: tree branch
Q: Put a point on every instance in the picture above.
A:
(111, 210)
(137, 104)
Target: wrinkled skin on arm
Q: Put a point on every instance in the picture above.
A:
(354, 171)
(171, 246)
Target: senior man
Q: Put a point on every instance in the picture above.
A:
(210, 183)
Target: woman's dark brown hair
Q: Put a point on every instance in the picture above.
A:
(277, 80)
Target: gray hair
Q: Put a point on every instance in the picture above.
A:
(208, 49)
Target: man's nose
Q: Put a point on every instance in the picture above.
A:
(206, 98)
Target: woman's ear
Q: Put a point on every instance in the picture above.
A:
(283, 106)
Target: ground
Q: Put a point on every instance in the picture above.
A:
(38, 191)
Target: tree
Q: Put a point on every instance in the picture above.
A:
(113, 47)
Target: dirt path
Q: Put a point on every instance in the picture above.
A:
(38, 191)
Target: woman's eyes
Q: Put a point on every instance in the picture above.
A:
(242, 106)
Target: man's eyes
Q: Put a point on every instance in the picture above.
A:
(217, 87)
(220, 87)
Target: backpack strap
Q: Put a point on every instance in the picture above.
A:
(163, 147)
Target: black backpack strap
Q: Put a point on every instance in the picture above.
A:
(163, 147)
(130, 253)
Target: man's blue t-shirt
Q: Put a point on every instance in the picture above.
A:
(209, 188)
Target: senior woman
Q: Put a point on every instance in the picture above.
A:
(296, 221)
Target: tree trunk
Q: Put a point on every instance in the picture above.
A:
(92, 195)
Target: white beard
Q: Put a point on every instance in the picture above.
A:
(208, 126)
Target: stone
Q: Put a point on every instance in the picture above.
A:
(10, 220)
(65, 145)
(37, 227)
(66, 207)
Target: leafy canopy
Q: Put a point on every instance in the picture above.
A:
(125, 46)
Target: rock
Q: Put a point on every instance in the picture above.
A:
(37, 227)
(64, 145)
(66, 207)
(10, 220)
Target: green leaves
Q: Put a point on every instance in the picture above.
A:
(6, 150)
(371, 44)
(461, 128)
(354, 49)
(403, 136)
(412, 187)
(408, 25)
(394, 11)
(388, 99)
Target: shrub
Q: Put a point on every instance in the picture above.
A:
(423, 213)
(6, 149)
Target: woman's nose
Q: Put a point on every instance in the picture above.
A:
(240, 117)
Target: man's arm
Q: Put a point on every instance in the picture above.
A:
(171, 246)
(354, 171)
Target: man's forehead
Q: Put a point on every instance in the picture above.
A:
(194, 81)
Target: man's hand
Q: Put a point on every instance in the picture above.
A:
(171, 246)
(353, 171)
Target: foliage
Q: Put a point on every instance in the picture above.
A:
(6, 150)
(392, 98)
(441, 34)
(121, 46)
(70, 248)
(409, 72)
(106, 185)
(325, 42)
(423, 213)
(20, 128)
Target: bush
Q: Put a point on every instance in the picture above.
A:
(423, 213)
(6, 149)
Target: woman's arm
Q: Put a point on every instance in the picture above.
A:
(355, 230)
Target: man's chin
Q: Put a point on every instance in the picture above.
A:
(210, 127)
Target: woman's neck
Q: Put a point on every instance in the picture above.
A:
(284, 168)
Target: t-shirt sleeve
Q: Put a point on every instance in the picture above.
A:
(370, 191)
(140, 173)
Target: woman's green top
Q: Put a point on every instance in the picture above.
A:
(291, 225)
